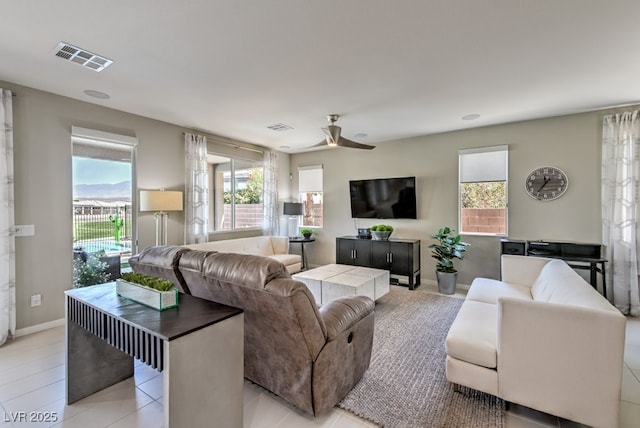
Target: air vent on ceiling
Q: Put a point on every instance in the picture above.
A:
(280, 127)
(82, 57)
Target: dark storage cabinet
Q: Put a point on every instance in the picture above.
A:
(353, 252)
(395, 257)
(401, 257)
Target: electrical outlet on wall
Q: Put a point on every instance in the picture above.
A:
(36, 300)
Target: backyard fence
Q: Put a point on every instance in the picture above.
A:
(102, 225)
(483, 220)
(247, 216)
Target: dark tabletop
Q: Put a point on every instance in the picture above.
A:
(191, 314)
(301, 239)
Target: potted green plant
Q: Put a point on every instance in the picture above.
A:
(381, 232)
(306, 232)
(154, 292)
(88, 270)
(448, 248)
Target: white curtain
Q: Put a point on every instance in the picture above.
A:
(620, 208)
(270, 225)
(196, 189)
(7, 239)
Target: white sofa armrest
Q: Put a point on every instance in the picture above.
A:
(280, 244)
(522, 270)
(561, 359)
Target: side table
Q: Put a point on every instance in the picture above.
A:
(198, 347)
(302, 241)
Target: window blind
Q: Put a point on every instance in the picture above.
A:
(483, 164)
(310, 178)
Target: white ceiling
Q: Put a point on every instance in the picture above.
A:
(391, 69)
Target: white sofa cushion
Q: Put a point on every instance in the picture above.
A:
(559, 283)
(257, 245)
(521, 269)
(286, 259)
(275, 247)
(489, 291)
(473, 334)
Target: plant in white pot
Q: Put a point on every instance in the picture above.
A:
(448, 248)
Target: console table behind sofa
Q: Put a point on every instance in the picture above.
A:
(198, 347)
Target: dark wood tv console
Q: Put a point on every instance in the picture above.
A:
(401, 257)
(577, 255)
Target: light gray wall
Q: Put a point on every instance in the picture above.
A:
(43, 188)
(571, 143)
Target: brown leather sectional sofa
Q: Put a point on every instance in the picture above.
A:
(309, 356)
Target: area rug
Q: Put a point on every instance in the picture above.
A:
(405, 385)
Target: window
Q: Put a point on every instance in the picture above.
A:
(310, 188)
(483, 190)
(237, 193)
(104, 202)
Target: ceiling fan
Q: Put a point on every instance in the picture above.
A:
(333, 138)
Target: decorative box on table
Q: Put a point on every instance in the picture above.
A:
(147, 296)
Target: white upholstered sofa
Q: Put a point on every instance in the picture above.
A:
(275, 247)
(541, 337)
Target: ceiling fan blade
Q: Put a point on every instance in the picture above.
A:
(343, 142)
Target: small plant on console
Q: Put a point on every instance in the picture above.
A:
(148, 281)
(306, 232)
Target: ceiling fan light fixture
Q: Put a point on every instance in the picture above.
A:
(333, 138)
(331, 142)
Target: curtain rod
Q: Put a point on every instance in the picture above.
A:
(235, 146)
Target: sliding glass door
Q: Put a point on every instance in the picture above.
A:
(104, 220)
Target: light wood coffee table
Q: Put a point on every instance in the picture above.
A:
(331, 281)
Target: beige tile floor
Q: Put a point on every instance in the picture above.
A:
(32, 379)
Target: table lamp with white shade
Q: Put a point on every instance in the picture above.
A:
(161, 201)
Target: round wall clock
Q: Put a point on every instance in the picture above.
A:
(546, 183)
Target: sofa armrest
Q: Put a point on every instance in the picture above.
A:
(561, 359)
(522, 270)
(161, 262)
(341, 314)
(346, 355)
(280, 244)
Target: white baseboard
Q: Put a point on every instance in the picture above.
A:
(39, 327)
(464, 286)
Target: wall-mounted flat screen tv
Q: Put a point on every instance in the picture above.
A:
(383, 198)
